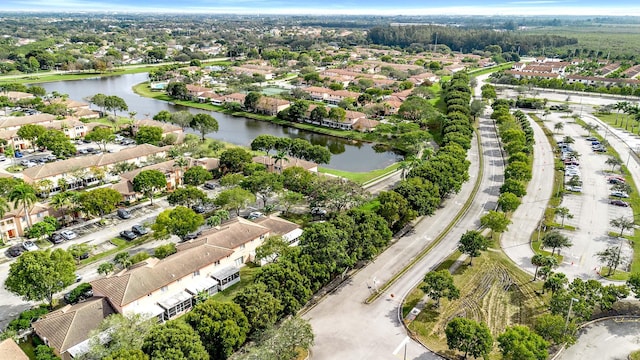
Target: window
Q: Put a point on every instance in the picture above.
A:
(239, 261)
(217, 262)
(163, 289)
(242, 246)
(196, 273)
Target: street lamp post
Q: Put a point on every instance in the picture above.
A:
(566, 323)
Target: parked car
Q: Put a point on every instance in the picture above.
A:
(3, 158)
(128, 235)
(620, 194)
(199, 209)
(139, 229)
(56, 238)
(591, 138)
(69, 235)
(18, 154)
(123, 214)
(318, 212)
(193, 235)
(619, 203)
(598, 148)
(29, 246)
(210, 185)
(254, 215)
(15, 250)
(571, 161)
(615, 181)
(80, 293)
(576, 188)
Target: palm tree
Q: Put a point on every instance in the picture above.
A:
(558, 126)
(4, 207)
(537, 260)
(620, 106)
(279, 157)
(180, 164)
(23, 195)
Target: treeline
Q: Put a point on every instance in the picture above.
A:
(465, 40)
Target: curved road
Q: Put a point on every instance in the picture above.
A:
(609, 339)
(346, 328)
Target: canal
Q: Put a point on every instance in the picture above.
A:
(347, 155)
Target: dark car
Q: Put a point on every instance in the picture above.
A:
(618, 203)
(124, 214)
(56, 238)
(199, 209)
(128, 235)
(192, 236)
(80, 293)
(318, 212)
(591, 138)
(15, 250)
(139, 229)
(210, 185)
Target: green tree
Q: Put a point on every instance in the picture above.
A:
(23, 195)
(99, 100)
(251, 100)
(508, 202)
(99, 201)
(469, 336)
(128, 354)
(259, 306)
(395, 209)
(439, 284)
(163, 251)
(163, 116)
(564, 213)
(555, 282)
(421, 194)
(101, 135)
(105, 268)
(552, 329)
(231, 180)
(327, 246)
(520, 343)
(234, 199)
(621, 223)
(222, 327)
(518, 171)
(634, 283)
(337, 114)
(39, 275)
(299, 180)
(271, 249)
(263, 184)
(289, 199)
(196, 176)
(31, 132)
(182, 118)
(115, 103)
(496, 221)
(233, 160)
(179, 221)
(264, 142)
(472, 243)
(56, 141)
(540, 260)
(610, 257)
(558, 126)
(187, 196)
(555, 240)
(123, 259)
(126, 335)
(286, 283)
(148, 182)
(174, 340)
(40, 229)
(514, 186)
(318, 114)
(204, 123)
(43, 352)
(149, 135)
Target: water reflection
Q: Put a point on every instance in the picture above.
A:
(348, 155)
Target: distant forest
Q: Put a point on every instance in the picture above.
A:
(464, 39)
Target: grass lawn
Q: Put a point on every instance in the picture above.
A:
(120, 244)
(247, 273)
(492, 290)
(489, 70)
(635, 355)
(617, 275)
(361, 177)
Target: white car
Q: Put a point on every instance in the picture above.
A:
(254, 215)
(576, 188)
(29, 246)
(68, 234)
(620, 194)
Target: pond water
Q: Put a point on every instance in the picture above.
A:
(347, 155)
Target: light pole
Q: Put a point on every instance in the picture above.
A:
(566, 323)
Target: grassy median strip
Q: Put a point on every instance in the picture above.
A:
(444, 232)
(361, 177)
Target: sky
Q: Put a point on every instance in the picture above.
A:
(338, 7)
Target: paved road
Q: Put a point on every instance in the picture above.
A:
(605, 340)
(340, 320)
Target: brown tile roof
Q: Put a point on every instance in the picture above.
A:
(164, 167)
(276, 225)
(316, 89)
(233, 234)
(10, 350)
(60, 167)
(268, 102)
(152, 274)
(269, 161)
(72, 324)
(207, 163)
(24, 120)
(70, 104)
(17, 95)
(124, 187)
(166, 127)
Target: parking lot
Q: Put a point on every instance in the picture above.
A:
(591, 208)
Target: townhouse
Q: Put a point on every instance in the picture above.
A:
(284, 164)
(167, 128)
(271, 106)
(14, 222)
(10, 350)
(72, 127)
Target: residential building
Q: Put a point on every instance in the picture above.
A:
(235, 97)
(14, 96)
(290, 161)
(14, 222)
(271, 106)
(76, 171)
(289, 231)
(167, 128)
(67, 330)
(10, 350)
